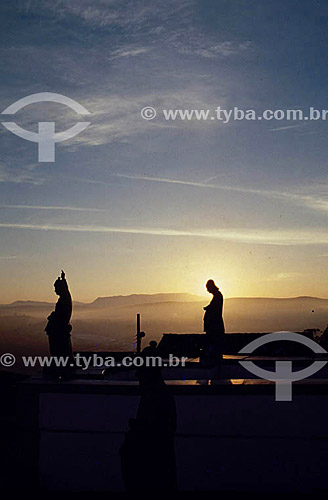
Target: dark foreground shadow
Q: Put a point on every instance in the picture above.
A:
(148, 454)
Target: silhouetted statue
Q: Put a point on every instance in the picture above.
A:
(148, 454)
(213, 323)
(58, 328)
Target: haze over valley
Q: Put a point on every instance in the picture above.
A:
(109, 323)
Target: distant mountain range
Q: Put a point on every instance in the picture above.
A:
(115, 300)
(126, 300)
(182, 312)
(157, 298)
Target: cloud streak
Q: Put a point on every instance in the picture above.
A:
(284, 276)
(247, 236)
(313, 202)
(127, 51)
(48, 207)
(18, 177)
(225, 49)
(287, 127)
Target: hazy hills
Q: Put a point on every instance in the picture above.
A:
(182, 312)
(113, 301)
(109, 323)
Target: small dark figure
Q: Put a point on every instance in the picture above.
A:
(148, 454)
(59, 328)
(151, 349)
(213, 323)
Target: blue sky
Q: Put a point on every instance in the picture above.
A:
(146, 206)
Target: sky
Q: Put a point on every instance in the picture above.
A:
(145, 206)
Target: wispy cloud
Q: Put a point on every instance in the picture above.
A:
(312, 201)
(19, 176)
(284, 276)
(118, 117)
(111, 13)
(287, 127)
(169, 24)
(8, 257)
(48, 207)
(225, 49)
(248, 236)
(128, 51)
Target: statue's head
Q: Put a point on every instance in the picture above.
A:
(60, 286)
(211, 286)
